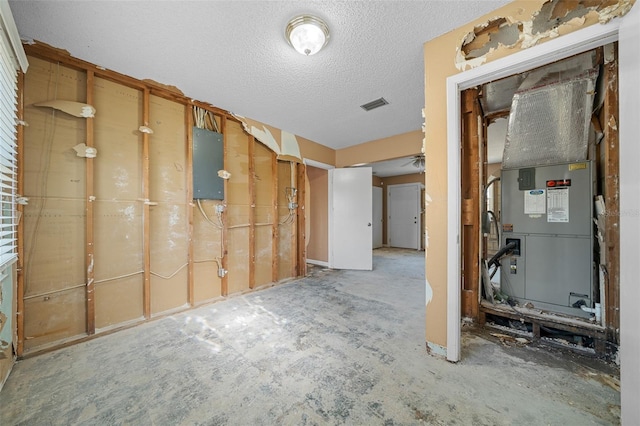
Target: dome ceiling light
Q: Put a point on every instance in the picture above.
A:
(307, 34)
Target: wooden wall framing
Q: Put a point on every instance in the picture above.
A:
(142, 246)
(471, 196)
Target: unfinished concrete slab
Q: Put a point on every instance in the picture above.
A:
(336, 347)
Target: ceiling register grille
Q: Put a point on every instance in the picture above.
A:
(374, 104)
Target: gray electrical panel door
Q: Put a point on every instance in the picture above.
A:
(553, 227)
(208, 159)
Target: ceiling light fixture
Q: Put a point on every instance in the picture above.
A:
(307, 34)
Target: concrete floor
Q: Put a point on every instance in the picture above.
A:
(338, 347)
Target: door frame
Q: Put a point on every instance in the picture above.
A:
(571, 44)
(380, 227)
(324, 166)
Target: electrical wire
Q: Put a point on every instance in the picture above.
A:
(170, 276)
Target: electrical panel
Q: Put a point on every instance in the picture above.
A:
(548, 217)
(208, 159)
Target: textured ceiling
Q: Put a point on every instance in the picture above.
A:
(233, 54)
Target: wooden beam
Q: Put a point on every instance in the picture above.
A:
(20, 190)
(224, 281)
(90, 197)
(470, 191)
(146, 292)
(188, 118)
(612, 199)
(275, 230)
(252, 212)
(301, 250)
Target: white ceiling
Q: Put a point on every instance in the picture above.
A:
(233, 54)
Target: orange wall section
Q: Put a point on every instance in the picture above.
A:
(402, 145)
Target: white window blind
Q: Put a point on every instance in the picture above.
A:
(8, 151)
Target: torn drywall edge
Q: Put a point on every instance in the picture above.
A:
(265, 137)
(529, 38)
(77, 109)
(462, 63)
(615, 11)
(289, 145)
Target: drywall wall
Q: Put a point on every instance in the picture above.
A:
(286, 145)
(318, 213)
(437, 70)
(124, 222)
(398, 146)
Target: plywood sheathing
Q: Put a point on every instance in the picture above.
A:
(168, 209)
(118, 205)
(265, 217)
(54, 219)
(286, 231)
(188, 125)
(554, 18)
(301, 236)
(238, 200)
(89, 199)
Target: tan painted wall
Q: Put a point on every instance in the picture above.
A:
(440, 58)
(398, 146)
(318, 214)
(314, 151)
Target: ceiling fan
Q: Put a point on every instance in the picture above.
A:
(417, 161)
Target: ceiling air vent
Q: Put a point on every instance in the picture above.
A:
(374, 104)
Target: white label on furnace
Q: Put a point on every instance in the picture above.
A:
(535, 202)
(558, 205)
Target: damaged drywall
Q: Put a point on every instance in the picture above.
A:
(153, 250)
(490, 36)
(284, 144)
(554, 18)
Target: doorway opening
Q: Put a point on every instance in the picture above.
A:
(539, 242)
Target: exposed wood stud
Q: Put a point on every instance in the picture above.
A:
(301, 250)
(188, 116)
(20, 190)
(145, 209)
(252, 212)
(90, 196)
(275, 230)
(470, 170)
(612, 199)
(224, 282)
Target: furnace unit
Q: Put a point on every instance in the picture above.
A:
(547, 214)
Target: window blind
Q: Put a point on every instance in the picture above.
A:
(8, 152)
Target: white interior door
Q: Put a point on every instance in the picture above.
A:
(403, 210)
(377, 217)
(350, 221)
